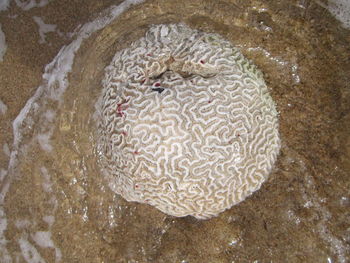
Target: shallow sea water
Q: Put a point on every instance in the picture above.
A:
(56, 206)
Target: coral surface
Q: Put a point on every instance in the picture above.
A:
(186, 123)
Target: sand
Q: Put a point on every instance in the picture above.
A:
(58, 207)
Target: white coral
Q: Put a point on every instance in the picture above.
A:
(187, 124)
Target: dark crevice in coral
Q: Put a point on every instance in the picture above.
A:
(160, 90)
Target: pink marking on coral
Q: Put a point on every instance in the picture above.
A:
(209, 101)
(202, 61)
(136, 152)
(120, 108)
(157, 84)
(149, 54)
(143, 81)
(124, 133)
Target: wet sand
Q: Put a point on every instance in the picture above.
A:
(301, 214)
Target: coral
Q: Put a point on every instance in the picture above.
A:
(186, 123)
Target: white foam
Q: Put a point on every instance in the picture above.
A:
(26, 5)
(4, 256)
(280, 61)
(47, 184)
(267, 54)
(44, 141)
(6, 149)
(4, 4)
(3, 107)
(293, 217)
(3, 173)
(21, 224)
(29, 252)
(43, 28)
(50, 115)
(49, 220)
(311, 197)
(55, 73)
(233, 241)
(295, 75)
(3, 224)
(340, 9)
(43, 239)
(3, 46)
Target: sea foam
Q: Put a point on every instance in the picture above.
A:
(3, 47)
(54, 85)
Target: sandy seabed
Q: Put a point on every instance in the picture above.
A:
(55, 205)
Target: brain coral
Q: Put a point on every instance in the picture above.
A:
(186, 123)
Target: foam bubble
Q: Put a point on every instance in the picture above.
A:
(43, 28)
(3, 47)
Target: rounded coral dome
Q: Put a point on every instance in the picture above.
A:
(186, 123)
